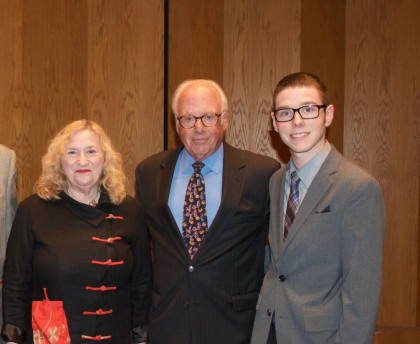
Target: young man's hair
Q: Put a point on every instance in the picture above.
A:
(301, 79)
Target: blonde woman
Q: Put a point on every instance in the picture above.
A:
(78, 249)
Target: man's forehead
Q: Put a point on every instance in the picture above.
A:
(299, 93)
(199, 95)
(199, 88)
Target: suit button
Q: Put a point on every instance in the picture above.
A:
(185, 304)
(282, 278)
(268, 312)
(191, 268)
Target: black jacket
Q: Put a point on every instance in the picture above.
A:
(59, 245)
(211, 299)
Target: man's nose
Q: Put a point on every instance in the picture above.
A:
(199, 124)
(297, 119)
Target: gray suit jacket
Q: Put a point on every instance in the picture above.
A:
(323, 284)
(8, 203)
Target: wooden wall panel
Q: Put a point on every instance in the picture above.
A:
(53, 77)
(322, 53)
(125, 72)
(195, 48)
(381, 133)
(11, 74)
(49, 51)
(42, 82)
(261, 45)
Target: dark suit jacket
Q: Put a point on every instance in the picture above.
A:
(212, 298)
(324, 282)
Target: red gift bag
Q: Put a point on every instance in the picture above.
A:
(49, 323)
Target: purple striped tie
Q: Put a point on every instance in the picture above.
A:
(292, 203)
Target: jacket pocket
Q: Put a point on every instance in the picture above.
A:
(244, 302)
(321, 321)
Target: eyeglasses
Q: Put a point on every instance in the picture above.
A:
(188, 122)
(306, 112)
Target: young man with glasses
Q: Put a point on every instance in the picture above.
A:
(206, 209)
(327, 225)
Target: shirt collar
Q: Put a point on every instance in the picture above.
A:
(214, 163)
(308, 171)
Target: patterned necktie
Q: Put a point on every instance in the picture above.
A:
(292, 203)
(194, 224)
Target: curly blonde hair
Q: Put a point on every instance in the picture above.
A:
(52, 179)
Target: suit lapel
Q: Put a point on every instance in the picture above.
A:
(164, 178)
(233, 182)
(318, 188)
(276, 212)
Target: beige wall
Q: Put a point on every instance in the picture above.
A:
(63, 60)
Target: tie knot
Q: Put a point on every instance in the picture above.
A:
(198, 166)
(294, 178)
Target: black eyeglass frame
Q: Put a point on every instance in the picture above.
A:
(200, 118)
(323, 106)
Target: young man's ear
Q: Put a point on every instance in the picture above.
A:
(329, 115)
(274, 121)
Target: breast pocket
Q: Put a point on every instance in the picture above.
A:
(330, 216)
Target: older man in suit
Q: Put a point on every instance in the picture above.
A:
(327, 227)
(8, 204)
(206, 208)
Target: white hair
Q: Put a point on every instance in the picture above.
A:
(183, 85)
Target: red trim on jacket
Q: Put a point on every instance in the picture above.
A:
(98, 337)
(100, 311)
(112, 216)
(108, 262)
(109, 240)
(101, 288)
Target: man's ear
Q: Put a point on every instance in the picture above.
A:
(274, 121)
(329, 115)
(225, 120)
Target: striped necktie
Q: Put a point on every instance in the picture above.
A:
(292, 203)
